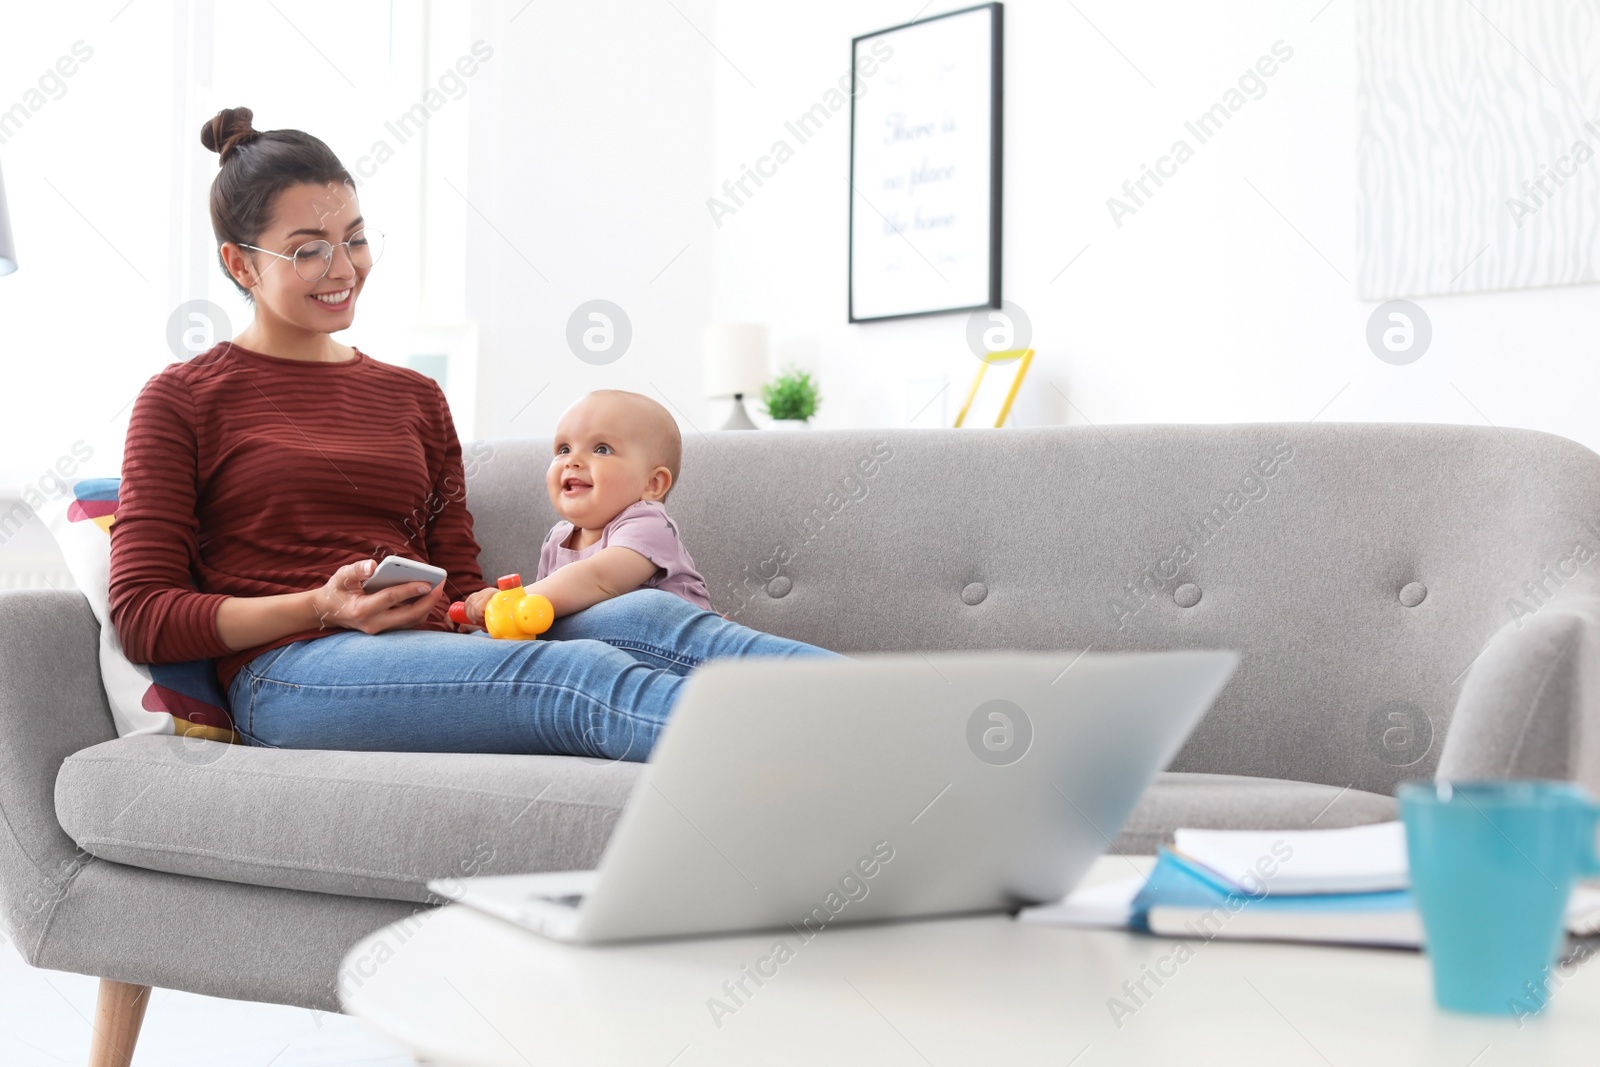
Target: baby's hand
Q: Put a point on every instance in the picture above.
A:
(475, 605)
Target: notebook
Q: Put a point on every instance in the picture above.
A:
(1355, 859)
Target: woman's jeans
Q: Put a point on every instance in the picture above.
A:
(599, 683)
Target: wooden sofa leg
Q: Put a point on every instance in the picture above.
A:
(118, 1014)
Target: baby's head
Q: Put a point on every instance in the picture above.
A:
(612, 450)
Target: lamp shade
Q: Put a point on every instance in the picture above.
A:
(735, 358)
(8, 250)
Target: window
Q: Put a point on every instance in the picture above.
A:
(108, 182)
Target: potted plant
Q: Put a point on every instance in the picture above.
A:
(790, 399)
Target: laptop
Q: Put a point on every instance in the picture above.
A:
(805, 793)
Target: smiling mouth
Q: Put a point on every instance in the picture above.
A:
(574, 485)
(336, 301)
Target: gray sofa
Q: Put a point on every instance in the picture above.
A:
(1370, 575)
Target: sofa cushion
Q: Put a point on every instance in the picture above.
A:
(161, 698)
(1236, 802)
(381, 824)
(366, 824)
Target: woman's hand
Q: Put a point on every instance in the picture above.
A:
(341, 602)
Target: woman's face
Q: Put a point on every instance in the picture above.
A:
(304, 213)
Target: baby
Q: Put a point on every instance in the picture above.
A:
(616, 458)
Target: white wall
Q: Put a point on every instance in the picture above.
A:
(1205, 306)
(588, 146)
(587, 162)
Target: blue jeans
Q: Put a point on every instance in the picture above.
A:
(600, 683)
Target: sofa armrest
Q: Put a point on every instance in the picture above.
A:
(52, 704)
(1530, 707)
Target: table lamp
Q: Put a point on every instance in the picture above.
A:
(8, 250)
(735, 364)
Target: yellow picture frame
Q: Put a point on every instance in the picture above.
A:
(1023, 357)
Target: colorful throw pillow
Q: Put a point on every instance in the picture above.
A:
(163, 698)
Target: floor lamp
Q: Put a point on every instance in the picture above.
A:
(8, 250)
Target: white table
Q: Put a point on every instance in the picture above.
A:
(466, 990)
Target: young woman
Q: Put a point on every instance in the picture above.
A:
(261, 477)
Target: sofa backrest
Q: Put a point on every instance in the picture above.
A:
(1359, 569)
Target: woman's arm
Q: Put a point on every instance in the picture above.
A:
(159, 614)
(247, 621)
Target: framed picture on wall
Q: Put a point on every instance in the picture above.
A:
(925, 142)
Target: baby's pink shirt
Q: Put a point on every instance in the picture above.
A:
(645, 528)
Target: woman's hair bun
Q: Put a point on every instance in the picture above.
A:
(227, 131)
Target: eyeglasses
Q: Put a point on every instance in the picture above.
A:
(313, 259)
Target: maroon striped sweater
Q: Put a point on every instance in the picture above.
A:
(249, 475)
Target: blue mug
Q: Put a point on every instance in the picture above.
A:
(1492, 866)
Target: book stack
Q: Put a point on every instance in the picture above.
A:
(1347, 886)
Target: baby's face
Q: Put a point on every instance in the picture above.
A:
(599, 467)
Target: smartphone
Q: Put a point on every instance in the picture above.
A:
(397, 570)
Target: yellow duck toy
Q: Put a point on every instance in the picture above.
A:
(512, 614)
